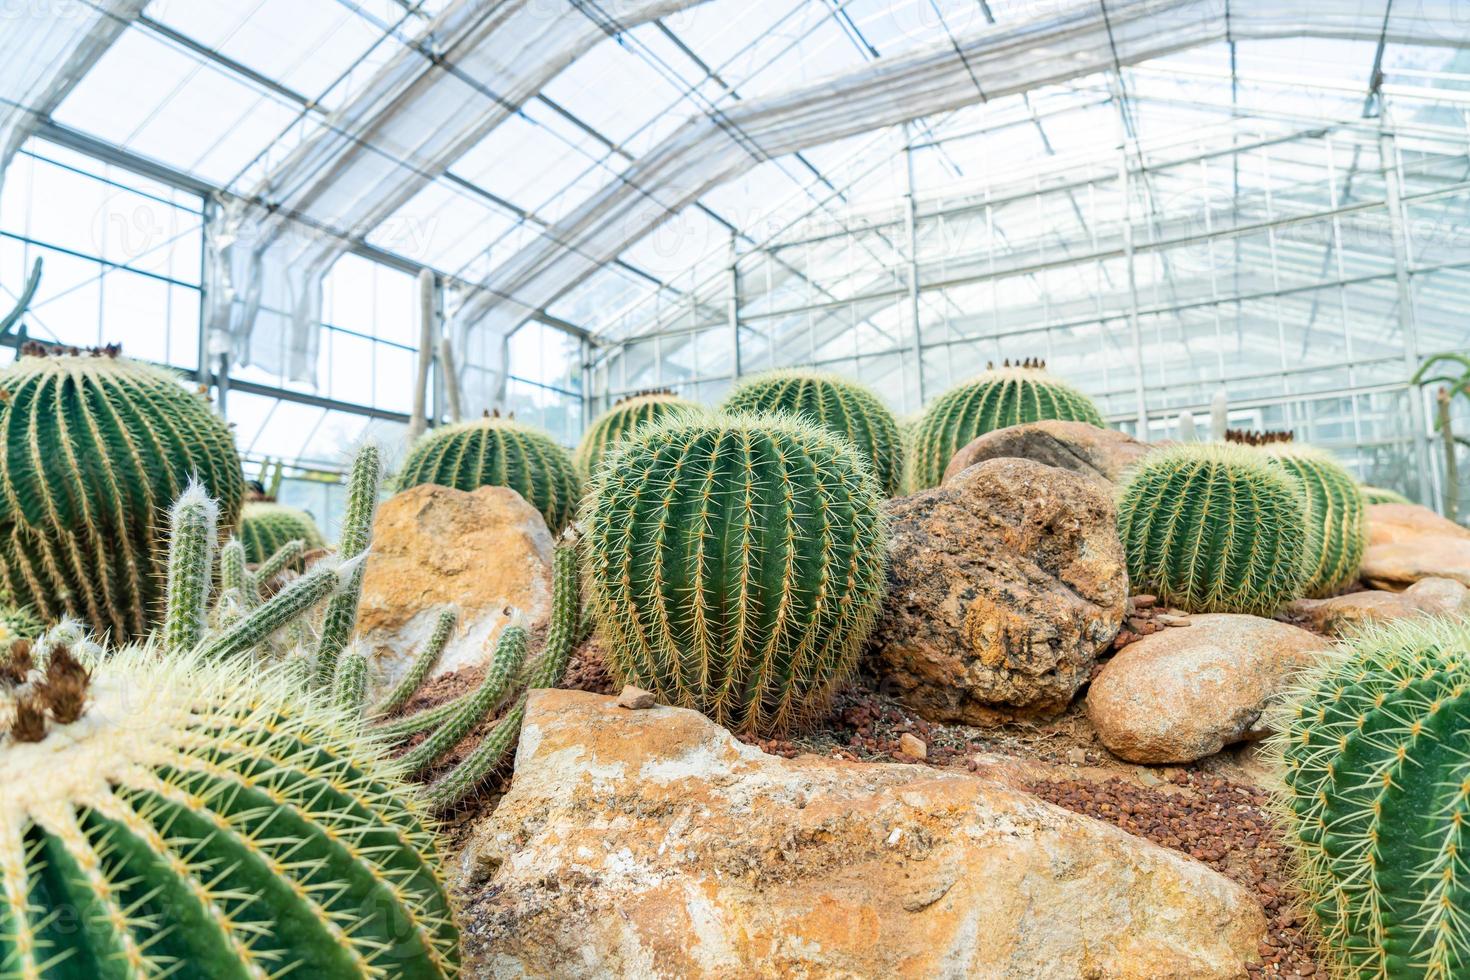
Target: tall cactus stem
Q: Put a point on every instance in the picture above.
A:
(357, 534)
(292, 602)
(349, 687)
(192, 523)
(510, 653)
(283, 557)
(418, 671)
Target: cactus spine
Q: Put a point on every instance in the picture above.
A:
(616, 424)
(1377, 798)
(1213, 527)
(213, 818)
(93, 450)
(735, 565)
(500, 452)
(340, 619)
(837, 405)
(266, 527)
(998, 398)
(1337, 523)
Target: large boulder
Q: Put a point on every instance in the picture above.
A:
(1393, 523)
(1407, 543)
(1077, 446)
(1003, 585)
(653, 844)
(1185, 693)
(1426, 597)
(488, 553)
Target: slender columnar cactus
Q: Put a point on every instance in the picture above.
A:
(208, 819)
(1377, 798)
(266, 527)
(93, 450)
(349, 687)
(1381, 495)
(192, 537)
(326, 578)
(998, 398)
(1213, 527)
(340, 618)
(498, 452)
(735, 565)
(1337, 523)
(616, 424)
(286, 556)
(418, 671)
(545, 671)
(510, 653)
(837, 405)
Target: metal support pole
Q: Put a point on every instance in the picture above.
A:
(911, 227)
(1393, 192)
(425, 359)
(1134, 327)
(734, 310)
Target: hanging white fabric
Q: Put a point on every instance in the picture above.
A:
(46, 54)
(474, 67)
(999, 60)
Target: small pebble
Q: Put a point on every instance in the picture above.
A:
(1169, 620)
(1078, 757)
(1144, 601)
(912, 746)
(635, 698)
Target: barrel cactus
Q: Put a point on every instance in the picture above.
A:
(1382, 495)
(496, 451)
(617, 423)
(1337, 524)
(735, 565)
(93, 450)
(999, 397)
(1377, 798)
(836, 404)
(266, 527)
(1212, 527)
(179, 815)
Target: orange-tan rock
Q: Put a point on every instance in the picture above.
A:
(1427, 597)
(652, 844)
(1393, 523)
(1077, 446)
(1183, 694)
(1003, 585)
(486, 553)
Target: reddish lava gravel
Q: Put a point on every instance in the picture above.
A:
(1222, 824)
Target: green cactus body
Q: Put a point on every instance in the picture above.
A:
(617, 424)
(1381, 495)
(837, 405)
(498, 452)
(93, 450)
(510, 653)
(214, 820)
(1337, 523)
(735, 565)
(997, 398)
(265, 528)
(1377, 798)
(18, 623)
(1213, 527)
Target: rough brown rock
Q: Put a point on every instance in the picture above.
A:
(1077, 446)
(1407, 543)
(1393, 523)
(1003, 585)
(1426, 597)
(1183, 694)
(485, 552)
(653, 844)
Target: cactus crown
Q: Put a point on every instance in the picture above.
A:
(211, 815)
(1212, 527)
(1377, 798)
(93, 450)
(1249, 437)
(735, 564)
(1000, 397)
(618, 423)
(266, 527)
(494, 451)
(1337, 523)
(840, 406)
